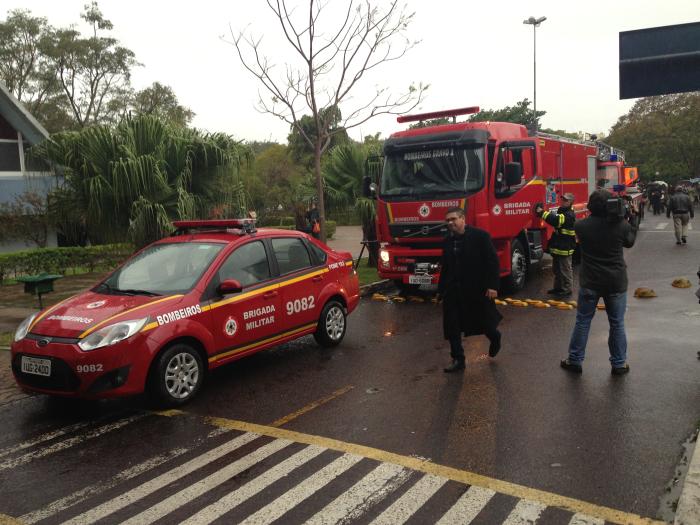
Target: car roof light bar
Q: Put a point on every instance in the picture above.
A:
(239, 226)
(438, 114)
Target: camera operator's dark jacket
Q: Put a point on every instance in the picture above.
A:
(563, 241)
(680, 204)
(603, 267)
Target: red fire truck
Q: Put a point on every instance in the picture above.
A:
(494, 169)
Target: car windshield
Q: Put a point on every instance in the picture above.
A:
(444, 172)
(162, 269)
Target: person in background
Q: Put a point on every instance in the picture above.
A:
(562, 245)
(602, 237)
(314, 220)
(469, 279)
(681, 207)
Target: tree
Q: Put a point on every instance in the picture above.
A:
(301, 150)
(661, 134)
(93, 72)
(160, 100)
(519, 114)
(26, 218)
(131, 180)
(332, 63)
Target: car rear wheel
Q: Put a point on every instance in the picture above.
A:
(178, 375)
(331, 325)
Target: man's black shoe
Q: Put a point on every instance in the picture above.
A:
(679, 242)
(455, 366)
(495, 345)
(620, 370)
(571, 367)
(684, 240)
(554, 291)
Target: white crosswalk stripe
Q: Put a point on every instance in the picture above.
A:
(68, 443)
(354, 502)
(161, 481)
(250, 489)
(661, 226)
(582, 519)
(525, 513)
(329, 493)
(467, 507)
(413, 499)
(222, 475)
(304, 490)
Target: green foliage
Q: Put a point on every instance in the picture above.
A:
(129, 182)
(160, 100)
(430, 122)
(661, 134)
(331, 227)
(58, 260)
(519, 114)
(303, 135)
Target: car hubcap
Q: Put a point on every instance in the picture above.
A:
(335, 323)
(181, 375)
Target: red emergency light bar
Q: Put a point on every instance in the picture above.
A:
(214, 223)
(437, 114)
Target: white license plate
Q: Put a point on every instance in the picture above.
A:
(420, 279)
(38, 367)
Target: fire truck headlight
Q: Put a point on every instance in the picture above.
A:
(384, 257)
(111, 334)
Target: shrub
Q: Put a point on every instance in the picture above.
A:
(330, 228)
(58, 260)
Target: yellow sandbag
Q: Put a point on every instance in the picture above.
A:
(644, 292)
(681, 282)
(564, 307)
(541, 305)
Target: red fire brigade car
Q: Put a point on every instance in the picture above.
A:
(212, 293)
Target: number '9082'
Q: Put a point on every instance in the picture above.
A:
(299, 305)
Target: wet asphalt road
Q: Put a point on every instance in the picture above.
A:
(604, 440)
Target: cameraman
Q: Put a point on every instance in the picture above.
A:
(602, 237)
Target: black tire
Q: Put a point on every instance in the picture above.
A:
(177, 375)
(518, 268)
(331, 325)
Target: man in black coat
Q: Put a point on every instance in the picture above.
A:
(469, 279)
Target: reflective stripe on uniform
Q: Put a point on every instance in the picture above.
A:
(554, 251)
(567, 232)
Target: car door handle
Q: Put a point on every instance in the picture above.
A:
(270, 295)
(317, 279)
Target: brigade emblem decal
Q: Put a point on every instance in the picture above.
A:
(496, 210)
(96, 304)
(424, 210)
(231, 327)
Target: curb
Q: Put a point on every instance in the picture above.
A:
(688, 510)
(367, 289)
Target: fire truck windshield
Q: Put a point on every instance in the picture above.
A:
(423, 174)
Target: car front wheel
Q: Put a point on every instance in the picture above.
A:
(178, 375)
(331, 325)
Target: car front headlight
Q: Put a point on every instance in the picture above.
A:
(112, 334)
(23, 328)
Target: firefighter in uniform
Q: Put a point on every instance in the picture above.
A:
(562, 244)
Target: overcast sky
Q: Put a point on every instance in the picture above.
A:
(471, 53)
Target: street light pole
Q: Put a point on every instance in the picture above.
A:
(534, 22)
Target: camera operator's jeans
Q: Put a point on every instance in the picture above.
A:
(615, 305)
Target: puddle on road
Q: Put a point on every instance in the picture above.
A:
(669, 500)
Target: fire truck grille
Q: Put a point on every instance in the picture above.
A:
(418, 231)
(62, 377)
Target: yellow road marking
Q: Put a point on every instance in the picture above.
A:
(286, 419)
(462, 476)
(9, 520)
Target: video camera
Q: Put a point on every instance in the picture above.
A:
(615, 209)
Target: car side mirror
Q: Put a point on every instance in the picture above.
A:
(369, 188)
(514, 173)
(229, 286)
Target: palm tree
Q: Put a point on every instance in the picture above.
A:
(343, 174)
(132, 180)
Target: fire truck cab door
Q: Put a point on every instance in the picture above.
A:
(522, 152)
